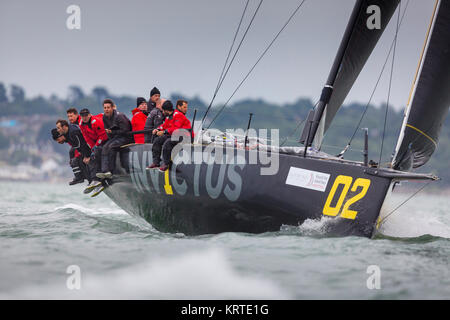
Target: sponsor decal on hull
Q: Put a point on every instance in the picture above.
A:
(308, 179)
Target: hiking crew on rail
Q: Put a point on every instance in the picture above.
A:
(164, 143)
(96, 140)
(73, 136)
(139, 119)
(117, 127)
(95, 135)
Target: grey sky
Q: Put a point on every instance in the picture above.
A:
(181, 45)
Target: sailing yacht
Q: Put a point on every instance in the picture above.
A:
(241, 195)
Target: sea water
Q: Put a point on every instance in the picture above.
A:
(57, 243)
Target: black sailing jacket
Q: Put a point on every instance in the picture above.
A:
(76, 139)
(119, 124)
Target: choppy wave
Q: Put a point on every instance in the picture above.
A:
(91, 211)
(52, 227)
(412, 240)
(108, 220)
(196, 275)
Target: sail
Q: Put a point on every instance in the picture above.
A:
(365, 31)
(430, 95)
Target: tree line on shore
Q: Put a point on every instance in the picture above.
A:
(288, 118)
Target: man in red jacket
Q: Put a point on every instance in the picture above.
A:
(95, 135)
(164, 143)
(92, 128)
(139, 118)
(72, 116)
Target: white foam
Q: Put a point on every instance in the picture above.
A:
(197, 275)
(313, 227)
(420, 216)
(414, 224)
(316, 226)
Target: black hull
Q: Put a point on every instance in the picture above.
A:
(208, 199)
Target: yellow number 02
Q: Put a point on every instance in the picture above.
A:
(347, 182)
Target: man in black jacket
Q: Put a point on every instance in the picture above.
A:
(118, 128)
(73, 136)
(79, 169)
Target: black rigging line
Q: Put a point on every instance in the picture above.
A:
(242, 40)
(259, 59)
(226, 60)
(390, 83)
(401, 204)
(223, 75)
(373, 92)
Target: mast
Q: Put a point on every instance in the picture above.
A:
(328, 87)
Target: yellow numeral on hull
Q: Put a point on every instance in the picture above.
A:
(333, 211)
(167, 186)
(346, 181)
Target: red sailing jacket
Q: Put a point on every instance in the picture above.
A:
(138, 124)
(180, 121)
(176, 121)
(94, 132)
(167, 123)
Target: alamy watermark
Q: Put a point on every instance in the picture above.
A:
(73, 21)
(236, 146)
(73, 281)
(374, 280)
(374, 20)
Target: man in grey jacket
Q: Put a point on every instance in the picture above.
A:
(154, 120)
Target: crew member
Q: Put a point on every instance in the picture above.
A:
(92, 128)
(155, 119)
(72, 116)
(79, 169)
(164, 142)
(57, 137)
(74, 137)
(161, 135)
(94, 133)
(117, 127)
(139, 118)
(155, 96)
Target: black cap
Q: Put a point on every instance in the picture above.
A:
(140, 100)
(167, 105)
(55, 134)
(155, 90)
(84, 112)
